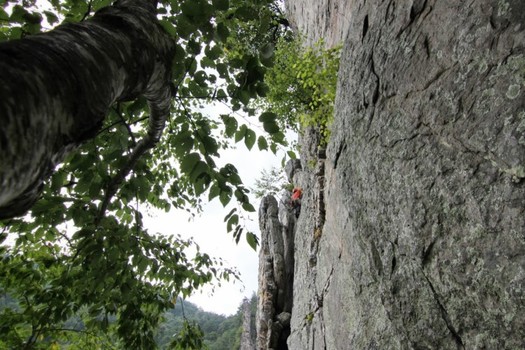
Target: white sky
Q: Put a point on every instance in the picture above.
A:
(209, 232)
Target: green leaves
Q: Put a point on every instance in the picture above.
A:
(262, 143)
(249, 138)
(221, 5)
(222, 32)
(190, 337)
(188, 163)
(230, 125)
(168, 27)
(106, 265)
(225, 197)
(252, 240)
(267, 117)
(271, 127)
(239, 135)
(269, 122)
(302, 86)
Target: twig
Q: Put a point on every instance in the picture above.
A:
(87, 12)
(130, 133)
(159, 111)
(159, 107)
(119, 122)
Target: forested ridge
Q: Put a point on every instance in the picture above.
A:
(219, 332)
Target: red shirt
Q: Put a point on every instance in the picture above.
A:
(296, 194)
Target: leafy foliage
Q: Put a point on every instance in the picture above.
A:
(219, 332)
(68, 257)
(302, 84)
(270, 182)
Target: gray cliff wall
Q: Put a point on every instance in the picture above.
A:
(248, 335)
(316, 19)
(412, 231)
(276, 263)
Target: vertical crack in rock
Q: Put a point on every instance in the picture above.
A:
(444, 314)
(340, 149)
(375, 95)
(365, 28)
(319, 303)
(321, 215)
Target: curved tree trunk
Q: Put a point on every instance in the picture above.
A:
(56, 89)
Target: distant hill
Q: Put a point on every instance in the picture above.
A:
(220, 332)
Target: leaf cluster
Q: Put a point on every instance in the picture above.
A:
(219, 332)
(270, 182)
(67, 256)
(302, 85)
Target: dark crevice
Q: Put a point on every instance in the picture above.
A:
(390, 10)
(394, 264)
(427, 253)
(427, 46)
(375, 95)
(412, 14)
(445, 316)
(416, 9)
(365, 28)
(376, 259)
(342, 147)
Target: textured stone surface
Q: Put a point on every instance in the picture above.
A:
(248, 335)
(316, 19)
(423, 243)
(276, 267)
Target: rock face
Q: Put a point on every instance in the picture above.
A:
(276, 268)
(316, 19)
(412, 231)
(248, 334)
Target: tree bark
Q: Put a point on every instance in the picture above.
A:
(56, 89)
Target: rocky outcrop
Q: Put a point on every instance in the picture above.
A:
(422, 245)
(248, 335)
(320, 19)
(276, 268)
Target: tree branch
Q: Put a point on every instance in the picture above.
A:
(159, 110)
(130, 133)
(88, 11)
(119, 122)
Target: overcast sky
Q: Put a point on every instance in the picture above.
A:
(209, 232)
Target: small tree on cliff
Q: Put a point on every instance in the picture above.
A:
(98, 117)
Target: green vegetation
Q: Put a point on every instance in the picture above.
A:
(70, 258)
(271, 182)
(219, 332)
(83, 269)
(185, 327)
(302, 84)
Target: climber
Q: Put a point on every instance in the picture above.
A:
(295, 201)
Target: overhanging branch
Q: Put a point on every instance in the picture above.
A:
(159, 110)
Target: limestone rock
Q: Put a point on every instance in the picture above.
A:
(316, 19)
(276, 267)
(422, 241)
(248, 335)
(291, 168)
